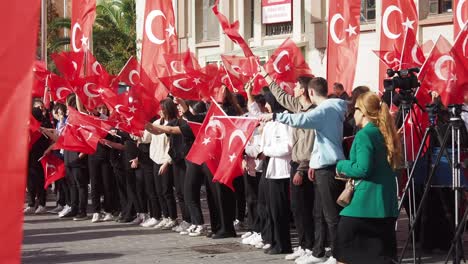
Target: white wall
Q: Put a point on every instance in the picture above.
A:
(433, 33)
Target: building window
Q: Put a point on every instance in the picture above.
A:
(440, 6)
(278, 28)
(367, 11)
(206, 22)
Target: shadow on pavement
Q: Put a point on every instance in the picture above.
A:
(61, 256)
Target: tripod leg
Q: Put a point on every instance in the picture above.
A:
(427, 186)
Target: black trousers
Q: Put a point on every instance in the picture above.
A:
(150, 189)
(302, 201)
(36, 184)
(211, 194)
(179, 171)
(280, 212)
(121, 202)
(78, 188)
(140, 182)
(134, 202)
(102, 184)
(328, 190)
(251, 196)
(63, 192)
(240, 198)
(194, 179)
(263, 222)
(164, 185)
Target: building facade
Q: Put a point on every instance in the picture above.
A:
(199, 30)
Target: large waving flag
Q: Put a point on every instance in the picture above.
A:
(83, 16)
(19, 24)
(460, 16)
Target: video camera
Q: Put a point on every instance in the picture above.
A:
(406, 80)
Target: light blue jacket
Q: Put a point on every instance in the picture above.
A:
(327, 120)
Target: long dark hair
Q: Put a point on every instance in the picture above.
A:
(170, 109)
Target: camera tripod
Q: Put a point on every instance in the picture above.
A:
(454, 163)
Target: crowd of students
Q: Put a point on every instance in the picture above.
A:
(294, 162)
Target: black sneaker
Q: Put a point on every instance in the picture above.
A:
(80, 217)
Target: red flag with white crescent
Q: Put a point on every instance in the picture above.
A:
(207, 145)
(343, 42)
(237, 133)
(180, 63)
(60, 88)
(411, 54)
(456, 88)
(54, 169)
(460, 16)
(82, 20)
(69, 64)
(19, 25)
(159, 37)
(397, 17)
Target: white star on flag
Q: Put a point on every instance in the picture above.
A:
(351, 30)
(170, 30)
(287, 68)
(408, 24)
(84, 41)
(132, 109)
(232, 157)
(101, 90)
(206, 141)
(196, 81)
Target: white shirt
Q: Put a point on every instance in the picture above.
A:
(276, 143)
(464, 115)
(159, 147)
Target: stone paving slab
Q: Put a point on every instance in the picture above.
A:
(48, 239)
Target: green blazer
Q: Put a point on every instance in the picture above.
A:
(375, 195)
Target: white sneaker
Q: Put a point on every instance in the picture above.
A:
(40, 210)
(161, 223)
(309, 259)
(188, 230)
(96, 218)
(170, 224)
(108, 217)
(256, 239)
(150, 222)
(29, 210)
(66, 210)
(246, 235)
(139, 219)
(248, 240)
(199, 230)
(56, 210)
(259, 245)
(330, 260)
(296, 254)
(266, 246)
(182, 227)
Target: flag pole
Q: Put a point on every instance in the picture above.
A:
(44, 31)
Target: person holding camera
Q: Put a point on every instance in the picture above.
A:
(366, 230)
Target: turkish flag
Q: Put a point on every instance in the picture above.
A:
(59, 88)
(343, 42)
(94, 68)
(216, 87)
(411, 54)
(232, 30)
(195, 127)
(240, 70)
(460, 16)
(237, 133)
(390, 58)
(82, 20)
(186, 85)
(207, 144)
(397, 16)
(179, 63)
(427, 47)
(69, 64)
(39, 82)
(54, 169)
(19, 24)
(91, 91)
(34, 125)
(286, 64)
(159, 37)
(130, 73)
(458, 85)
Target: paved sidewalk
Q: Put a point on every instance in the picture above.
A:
(50, 240)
